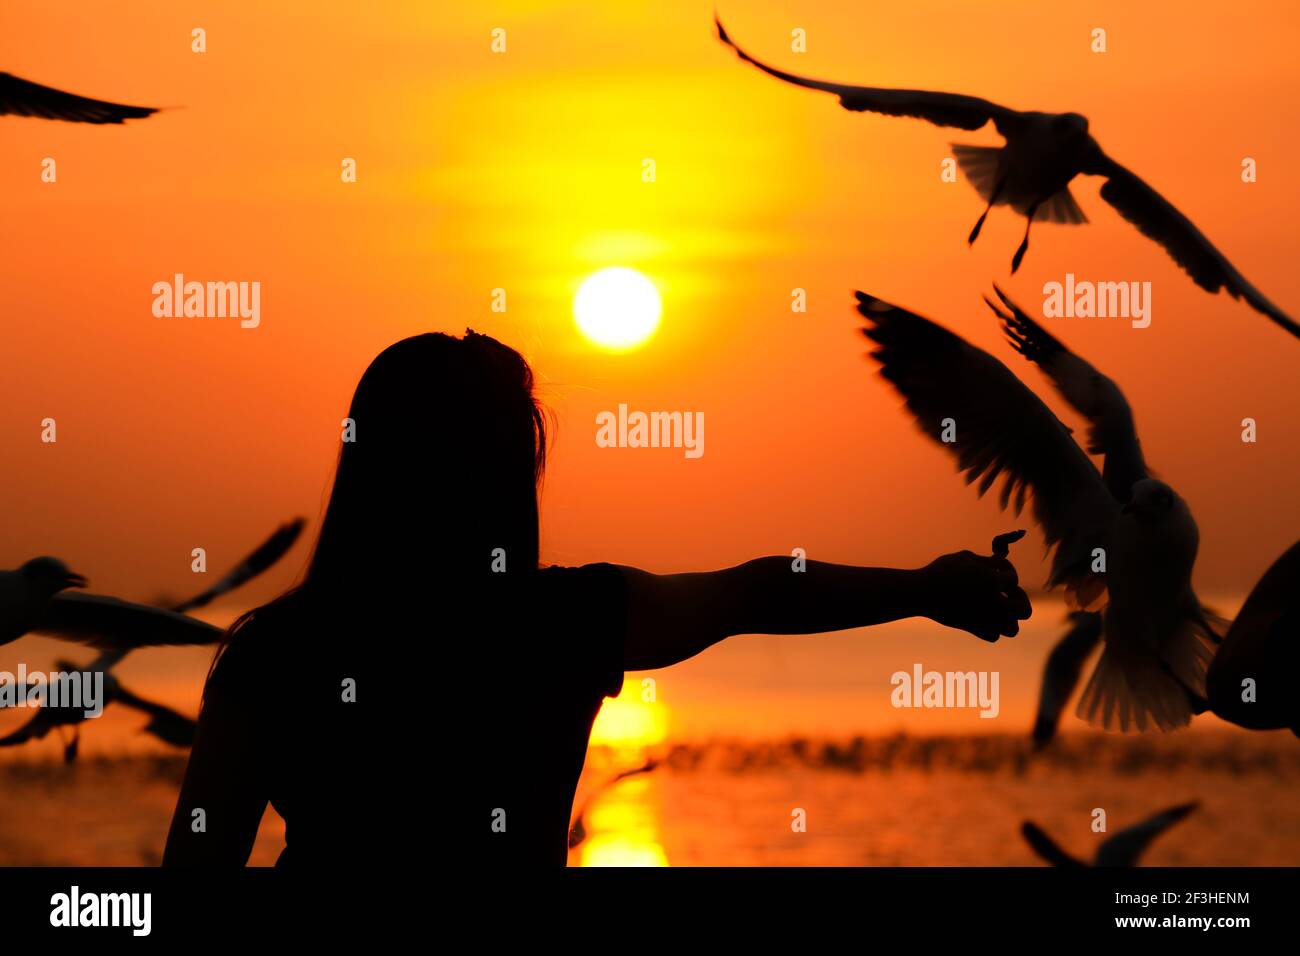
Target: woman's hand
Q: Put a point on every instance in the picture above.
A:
(974, 593)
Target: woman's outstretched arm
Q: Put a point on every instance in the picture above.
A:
(223, 780)
(672, 617)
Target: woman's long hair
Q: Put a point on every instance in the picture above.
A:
(435, 492)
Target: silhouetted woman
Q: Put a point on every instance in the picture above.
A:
(427, 691)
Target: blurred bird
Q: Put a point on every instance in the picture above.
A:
(49, 718)
(1159, 639)
(165, 724)
(20, 97)
(1044, 152)
(1263, 645)
(265, 555)
(1062, 672)
(108, 623)
(1122, 849)
(578, 831)
(26, 593)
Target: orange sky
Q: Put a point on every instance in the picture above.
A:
(523, 171)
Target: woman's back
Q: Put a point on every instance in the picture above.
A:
(435, 727)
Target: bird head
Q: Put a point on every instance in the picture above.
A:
(1072, 124)
(50, 575)
(1152, 501)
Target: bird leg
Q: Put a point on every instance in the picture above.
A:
(70, 748)
(1024, 243)
(979, 223)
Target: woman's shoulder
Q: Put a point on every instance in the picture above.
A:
(584, 611)
(597, 579)
(587, 597)
(601, 570)
(256, 642)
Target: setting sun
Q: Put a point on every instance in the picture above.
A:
(617, 308)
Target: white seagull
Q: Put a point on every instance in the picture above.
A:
(1158, 638)
(1032, 173)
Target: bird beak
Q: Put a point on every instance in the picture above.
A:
(75, 580)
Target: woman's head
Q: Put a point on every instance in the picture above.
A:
(441, 468)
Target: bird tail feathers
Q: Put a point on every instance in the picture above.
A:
(1059, 208)
(1189, 654)
(1134, 689)
(1214, 624)
(980, 164)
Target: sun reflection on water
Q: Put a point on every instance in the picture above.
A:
(624, 828)
(621, 815)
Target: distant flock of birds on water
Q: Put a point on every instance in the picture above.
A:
(1166, 657)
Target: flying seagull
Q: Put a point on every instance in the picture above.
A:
(19, 97)
(29, 602)
(165, 724)
(1122, 849)
(27, 592)
(1263, 644)
(49, 718)
(1158, 638)
(1062, 671)
(1032, 173)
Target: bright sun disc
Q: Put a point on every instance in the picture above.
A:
(617, 308)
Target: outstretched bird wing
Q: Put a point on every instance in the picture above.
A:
(1263, 644)
(1045, 846)
(1124, 848)
(1093, 395)
(19, 97)
(165, 724)
(1157, 218)
(1062, 670)
(942, 109)
(108, 623)
(267, 553)
(1000, 426)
